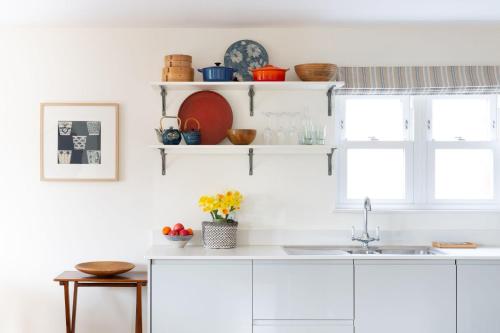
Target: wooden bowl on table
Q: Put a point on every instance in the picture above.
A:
(316, 72)
(104, 268)
(241, 136)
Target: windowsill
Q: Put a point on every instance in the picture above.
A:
(419, 210)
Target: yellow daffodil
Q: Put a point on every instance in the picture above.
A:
(221, 205)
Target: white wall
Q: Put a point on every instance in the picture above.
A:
(48, 227)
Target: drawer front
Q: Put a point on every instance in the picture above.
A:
(191, 296)
(405, 297)
(478, 297)
(303, 289)
(301, 326)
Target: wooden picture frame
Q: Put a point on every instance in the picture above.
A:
(79, 141)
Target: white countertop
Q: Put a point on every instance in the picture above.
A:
(159, 252)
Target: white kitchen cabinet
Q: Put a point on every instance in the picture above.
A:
(408, 296)
(303, 326)
(478, 296)
(303, 289)
(193, 296)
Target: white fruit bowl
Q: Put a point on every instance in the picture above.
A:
(178, 241)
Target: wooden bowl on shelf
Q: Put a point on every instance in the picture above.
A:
(105, 268)
(316, 72)
(241, 136)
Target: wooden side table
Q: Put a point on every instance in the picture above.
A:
(131, 280)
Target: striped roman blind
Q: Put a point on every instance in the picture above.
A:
(419, 80)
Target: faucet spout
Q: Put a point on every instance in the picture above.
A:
(365, 238)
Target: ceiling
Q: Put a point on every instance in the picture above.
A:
(239, 13)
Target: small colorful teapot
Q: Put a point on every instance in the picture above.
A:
(171, 135)
(192, 136)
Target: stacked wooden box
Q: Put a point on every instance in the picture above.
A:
(178, 67)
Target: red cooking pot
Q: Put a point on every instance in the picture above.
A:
(269, 73)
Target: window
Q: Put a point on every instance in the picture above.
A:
(422, 152)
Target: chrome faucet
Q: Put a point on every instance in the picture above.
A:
(365, 238)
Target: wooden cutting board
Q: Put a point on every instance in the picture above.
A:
(454, 245)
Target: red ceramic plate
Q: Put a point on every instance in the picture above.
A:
(212, 111)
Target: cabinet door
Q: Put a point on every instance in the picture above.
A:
(303, 289)
(478, 296)
(301, 326)
(192, 296)
(405, 296)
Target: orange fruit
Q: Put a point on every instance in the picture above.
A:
(166, 230)
(190, 231)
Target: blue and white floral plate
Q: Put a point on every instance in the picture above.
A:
(244, 55)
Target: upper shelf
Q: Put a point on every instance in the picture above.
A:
(244, 149)
(258, 85)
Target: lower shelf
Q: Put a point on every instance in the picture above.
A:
(249, 150)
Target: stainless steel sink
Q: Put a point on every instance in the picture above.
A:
(313, 250)
(339, 250)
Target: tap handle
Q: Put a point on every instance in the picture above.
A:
(353, 233)
(377, 233)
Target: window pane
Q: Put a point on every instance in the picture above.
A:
(464, 174)
(469, 119)
(382, 119)
(376, 173)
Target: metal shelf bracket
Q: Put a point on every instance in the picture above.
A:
(163, 161)
(250, 161)
(330, 164)
(331, 101)
(251, 94)
(163, 101)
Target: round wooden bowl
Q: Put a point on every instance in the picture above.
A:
(241, 136)
(316, 72)
(104, 268)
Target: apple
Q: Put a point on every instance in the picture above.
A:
(190, 231)
(183, 232)
(173, 233)
(178, 227)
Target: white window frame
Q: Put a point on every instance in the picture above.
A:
(419, 151)
(343, 146)
(425, 102)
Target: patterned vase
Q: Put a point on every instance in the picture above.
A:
(219, 235)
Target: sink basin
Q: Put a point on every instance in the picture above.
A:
(338, 250)
(313, 250)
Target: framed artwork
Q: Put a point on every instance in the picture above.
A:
(79, 141)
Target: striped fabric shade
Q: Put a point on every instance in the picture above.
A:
(413, 80)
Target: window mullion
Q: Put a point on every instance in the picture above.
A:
(420, 158)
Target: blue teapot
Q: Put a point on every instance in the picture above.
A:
(192, 136)
(171, 135)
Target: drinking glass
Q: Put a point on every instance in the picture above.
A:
(293, 136)
(319, 135)
(268, 131)
(280, 129)
(307, 130)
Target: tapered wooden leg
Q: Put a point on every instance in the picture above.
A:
(75, 297)
(138, 309)
(66, 306)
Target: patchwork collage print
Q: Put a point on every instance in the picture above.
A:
(79, 142)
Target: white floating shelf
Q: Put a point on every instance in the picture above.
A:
(257, 85)
(251, 86)
(249, 150)
(243, 149)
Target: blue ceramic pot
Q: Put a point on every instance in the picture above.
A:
(217, 73)
(192, 137)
